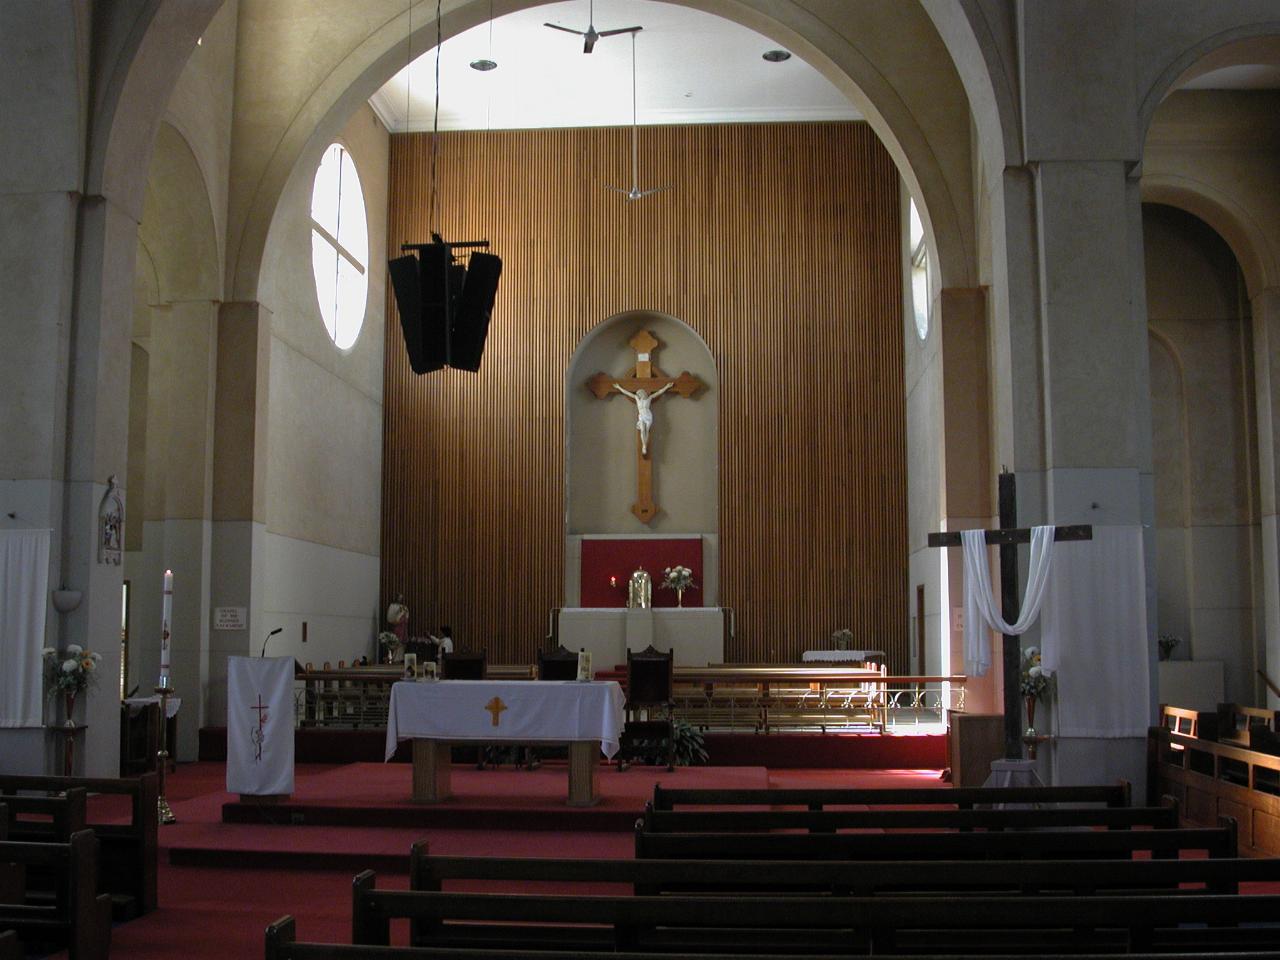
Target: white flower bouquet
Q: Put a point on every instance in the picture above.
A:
(1036, 681)
(677, 578)
(70, 670)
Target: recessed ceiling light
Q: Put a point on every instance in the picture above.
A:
(776, 56)
(484, 65)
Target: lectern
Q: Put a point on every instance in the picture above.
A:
(260, 726)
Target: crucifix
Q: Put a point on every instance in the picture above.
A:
(645, 384)
(1007, 537)
(259, 732)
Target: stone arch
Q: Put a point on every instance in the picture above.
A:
(1229, 218)
(177, 228)
(925, 125)
(1178, 62)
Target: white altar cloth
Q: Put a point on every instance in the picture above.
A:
(135, 705)
(491, 710)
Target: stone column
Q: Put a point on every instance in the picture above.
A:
(239, 488)
(1266, 373)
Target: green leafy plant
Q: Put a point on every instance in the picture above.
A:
(690, 746)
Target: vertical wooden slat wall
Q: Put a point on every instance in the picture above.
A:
(780, 245)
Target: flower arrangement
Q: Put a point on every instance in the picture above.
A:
(1167, 642)
(842, 639)
(1036, 682)
(71, 670)
(389, 647)
(677, 578)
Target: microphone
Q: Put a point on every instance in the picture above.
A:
(269, 636)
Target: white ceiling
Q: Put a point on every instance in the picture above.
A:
(691, 67)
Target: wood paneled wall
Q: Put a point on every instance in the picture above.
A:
(780, 245)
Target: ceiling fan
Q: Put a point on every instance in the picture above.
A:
(591, 35)
(635, 193)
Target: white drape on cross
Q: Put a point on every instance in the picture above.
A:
(981, 612)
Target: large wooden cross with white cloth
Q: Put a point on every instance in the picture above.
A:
(645, 384)
(1007, 537)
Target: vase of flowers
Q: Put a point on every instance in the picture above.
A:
(68, 672)
(678, 579)
(1035, 684)
(1167, 642)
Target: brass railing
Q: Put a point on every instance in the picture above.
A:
(757, 697)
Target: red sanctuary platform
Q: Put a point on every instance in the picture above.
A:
(781, 751)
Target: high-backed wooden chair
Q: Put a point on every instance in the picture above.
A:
(463, 666)
(648, 726)
(559, 664)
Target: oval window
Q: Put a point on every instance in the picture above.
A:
(339, 246)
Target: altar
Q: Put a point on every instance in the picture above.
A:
(695, 634)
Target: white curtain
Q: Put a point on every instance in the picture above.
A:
(24, 591)
(981, 612)
(1094, 635)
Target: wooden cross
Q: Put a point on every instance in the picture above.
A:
(495, 708)
(1007, 538)
(261, 708)
(646, 376)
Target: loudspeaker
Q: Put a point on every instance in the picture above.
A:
(471, 319)
(444, 307)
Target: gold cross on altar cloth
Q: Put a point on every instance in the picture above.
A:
(645, 376)
(495, 708)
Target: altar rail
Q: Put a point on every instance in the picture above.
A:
(757, 697)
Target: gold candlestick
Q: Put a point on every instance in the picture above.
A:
(163, 810)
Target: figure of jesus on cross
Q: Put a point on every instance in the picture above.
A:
(645, 384)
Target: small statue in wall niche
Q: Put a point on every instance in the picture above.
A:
(111, 524)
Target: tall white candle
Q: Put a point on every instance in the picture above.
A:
(165, 622)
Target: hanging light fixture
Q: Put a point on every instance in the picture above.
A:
(487, 63)
(635, 193)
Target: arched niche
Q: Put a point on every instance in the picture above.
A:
(601, 450)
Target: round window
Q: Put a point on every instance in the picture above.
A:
(339, 246)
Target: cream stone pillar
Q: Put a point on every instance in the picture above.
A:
(239, 489)
(1079, 373)
(179, 496)
(1266, 373)
(967, 464)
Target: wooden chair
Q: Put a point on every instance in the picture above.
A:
(463, 666)
(650, 675)
(559, 664)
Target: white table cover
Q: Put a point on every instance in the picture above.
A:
(531, 710)
(834, 656)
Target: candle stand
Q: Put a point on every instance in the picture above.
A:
(163, 810)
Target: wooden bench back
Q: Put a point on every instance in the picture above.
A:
(996, 845)
(52, 818)
(782, 925)
(1118, 794)
(847, 877)
(77, 917)
(826, 821)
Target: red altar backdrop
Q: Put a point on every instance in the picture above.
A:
(607, 565)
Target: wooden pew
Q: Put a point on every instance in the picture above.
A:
(861, 878)
(794, 924)
(281, 944)
(77, 917)
(816, 821)
(994, 845)
(129, 857)
(1118, 794)
(48, 817)
(10, 947)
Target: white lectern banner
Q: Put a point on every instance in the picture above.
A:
(260, 725)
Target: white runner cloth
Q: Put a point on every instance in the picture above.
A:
(24, 595)
(260, 725)
(981, 612)
(487, 710)
(1094, 636)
